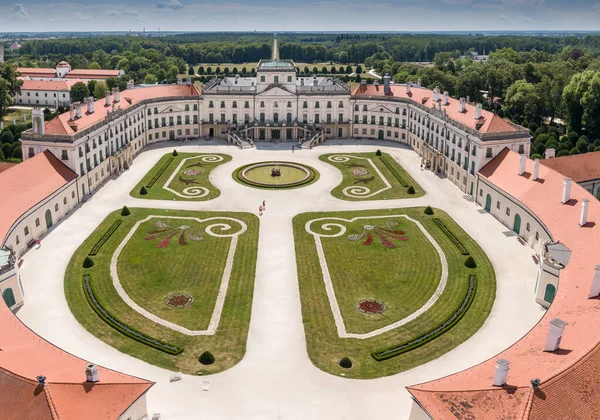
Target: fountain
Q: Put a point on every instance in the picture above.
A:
(276, 171)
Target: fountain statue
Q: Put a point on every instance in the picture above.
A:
(276, 171)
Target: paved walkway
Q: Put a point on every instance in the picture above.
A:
(276, 380)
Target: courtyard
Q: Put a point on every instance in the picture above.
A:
(275, 378)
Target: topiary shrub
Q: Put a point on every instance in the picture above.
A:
(346, 363)
(378, 152)
(410, 190)
(88, 262)
(470, 262)
(428, 211)
(143, 191)
(175, 153)
(207, 358)
(125, 211)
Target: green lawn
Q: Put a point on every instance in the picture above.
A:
(184, 180)
(149, 274)
(17, 115)
(371, 179)
(403, 278)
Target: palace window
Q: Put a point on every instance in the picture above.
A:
(316, 118)
(289, 104)
(317, 105)
(149, 111)
(364, 108)
(521, 149)
(275, 104)
(305, 104)
(187, 107)
(211, 104)
(276, 79)
(262, 78)
(64, 155)
(262, 104)
(222, 104)
(488, 153)
(246, 104)
(289, 79)
(328, 104)
(234, 104)
(508, 211)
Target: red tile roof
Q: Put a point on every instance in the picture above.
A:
(65, 85)
(569, 378)
(60, 124)
(580, 168)
(85, 73)
(6, 165)
(66, 395)
(29, 183)
(27, 71)
(488, 123)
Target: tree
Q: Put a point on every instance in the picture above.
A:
(6, 149)
(88, 262)
(17, 152)
(582, 144)
(112, 82)
(470, 262)
(201, 70)
(100, 90)
(348, 69)
(359, 70)
(7, 137)
(191, 71)
(91, 86)
(346, 363)
(150, 79)
(2, 157)
(343, 57)
(9, 86)
(125, 211)
(207, 358)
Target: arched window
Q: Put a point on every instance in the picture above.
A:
(289, 104)
(549, 293)
(9, 297)
(275, 104)
(262, 104)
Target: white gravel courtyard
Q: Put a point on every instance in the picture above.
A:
(276, 380)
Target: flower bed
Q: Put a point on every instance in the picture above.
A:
(179, 300)
(191, 172)
(432, 334)
(159, 173)
(121, 327)
(105, 237)
(370, 306)
(450, 235)
(392, 167)
(311, 174)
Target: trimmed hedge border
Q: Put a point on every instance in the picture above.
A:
(105, 237)
(434, 333)
(119, 326)
(311, 177)
(393, 169)
(450, 235)
(159, 173)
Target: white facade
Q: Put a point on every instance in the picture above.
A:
(44, 98)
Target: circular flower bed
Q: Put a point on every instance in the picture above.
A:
(245, 175)
(179, 300)
(360, 172)
(370, 306)
(191, 172)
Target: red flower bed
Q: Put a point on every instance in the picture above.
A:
(179, 300)
(370, 306)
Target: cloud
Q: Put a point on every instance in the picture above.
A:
(112, 14)
(132, 14)
(169, 4)
(20, 12)
(456, 2)
(81, 16)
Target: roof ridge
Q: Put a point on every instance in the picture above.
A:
(53, 408)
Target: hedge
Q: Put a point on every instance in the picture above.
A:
(393, 169)
(105, 237)
(434, 333)
(121, 327)
(450, 235)
(159, 173)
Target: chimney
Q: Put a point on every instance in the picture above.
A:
(116, 94)
(419, 82)
(91, 373)
(408, 88)
(595, 289)
(468, 99)
(130, 84)
(566, 194)
(555, 333)
(386, 84)
(536, 169)
(550, 153)
(107, 98)
(436, 94)
(445, 100)
(71, 112)
(188, 81)
(478, 111)
(179, 81)
(315, 82)
(90, 105)
(77, 106)
(461, 105)
(41, 380)
(522, 163)
(585, 203)
(501, 372)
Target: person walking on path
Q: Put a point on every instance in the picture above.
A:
(260, 209)
(292, 148)
(38, 242)
(264, 205)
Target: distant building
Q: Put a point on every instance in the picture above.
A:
(583, 169)
(476, 56)
(15, 46)
(63, 71)
(45, 93)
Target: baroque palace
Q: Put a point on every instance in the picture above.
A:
(485, 156)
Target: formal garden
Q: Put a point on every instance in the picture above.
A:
(168, 286)
(371, 176)
(384, 291)
(181, 176)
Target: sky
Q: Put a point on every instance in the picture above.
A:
(294, 15)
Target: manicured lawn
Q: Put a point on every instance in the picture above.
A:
(17, 115)
(359, 175)
(403, 278)
(191, 178)
(149, 274)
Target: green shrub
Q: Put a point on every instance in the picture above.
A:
(143, 190)
(207, 358)
(346, 363)
(125, 211)
(470, 262)
(88, 262)
(175, 153)
(105, 237)
(410, 190)
(393, 167)
(428, 211)
(159, 173)
(450, 235)
(378, 152)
